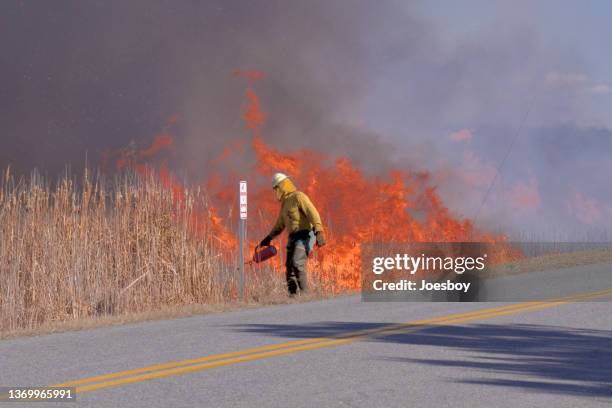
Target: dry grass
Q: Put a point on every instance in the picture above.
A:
(94, 250)
(88, 252)
(163, 312)
(553, 261)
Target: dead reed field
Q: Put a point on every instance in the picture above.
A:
(85, 247)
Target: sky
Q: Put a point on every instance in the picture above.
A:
(506, 103)
(576, 28)
(526, 80)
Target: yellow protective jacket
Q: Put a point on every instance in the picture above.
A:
(297, 211)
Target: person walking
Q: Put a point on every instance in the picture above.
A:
(299, 217)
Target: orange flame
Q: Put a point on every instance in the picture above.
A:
(356, 208)
(400, 207)
(161, 141)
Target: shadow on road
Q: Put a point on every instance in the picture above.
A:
(554, 359)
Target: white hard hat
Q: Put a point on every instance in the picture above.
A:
(277, 178)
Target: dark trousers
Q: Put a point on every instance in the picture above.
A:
(298, 248)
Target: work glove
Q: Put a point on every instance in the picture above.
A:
(320, 239)
(266, 241)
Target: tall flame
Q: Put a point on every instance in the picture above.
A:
(401, 207)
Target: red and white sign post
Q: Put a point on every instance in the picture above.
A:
(242, 231)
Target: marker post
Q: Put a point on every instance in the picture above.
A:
(242, 232)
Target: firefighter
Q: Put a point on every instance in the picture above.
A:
(299, 216)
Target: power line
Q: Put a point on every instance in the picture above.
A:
(501, 164)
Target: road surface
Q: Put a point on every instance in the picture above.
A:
(334, 353)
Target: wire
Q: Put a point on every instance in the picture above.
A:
(501, 164)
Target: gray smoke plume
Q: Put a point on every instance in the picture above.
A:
(85, 76)
(371, 80)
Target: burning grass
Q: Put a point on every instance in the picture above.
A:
(88, 248)
(146, 241)
(142, 245)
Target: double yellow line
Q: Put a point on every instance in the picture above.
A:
(257, 353)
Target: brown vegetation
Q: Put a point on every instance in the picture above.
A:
(91, 248)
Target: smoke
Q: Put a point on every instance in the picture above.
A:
(88, 76)
(375, 81)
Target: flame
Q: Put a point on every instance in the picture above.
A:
(355, 207)
(399, 207)
(159, 143)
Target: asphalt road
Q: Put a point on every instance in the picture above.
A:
(337, 353)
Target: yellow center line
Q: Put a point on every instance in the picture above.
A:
(257, 353)
(283, 345)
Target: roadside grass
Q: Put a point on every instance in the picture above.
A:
(552, 261)
(164, 312)
(90, 252)
(87, 252)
